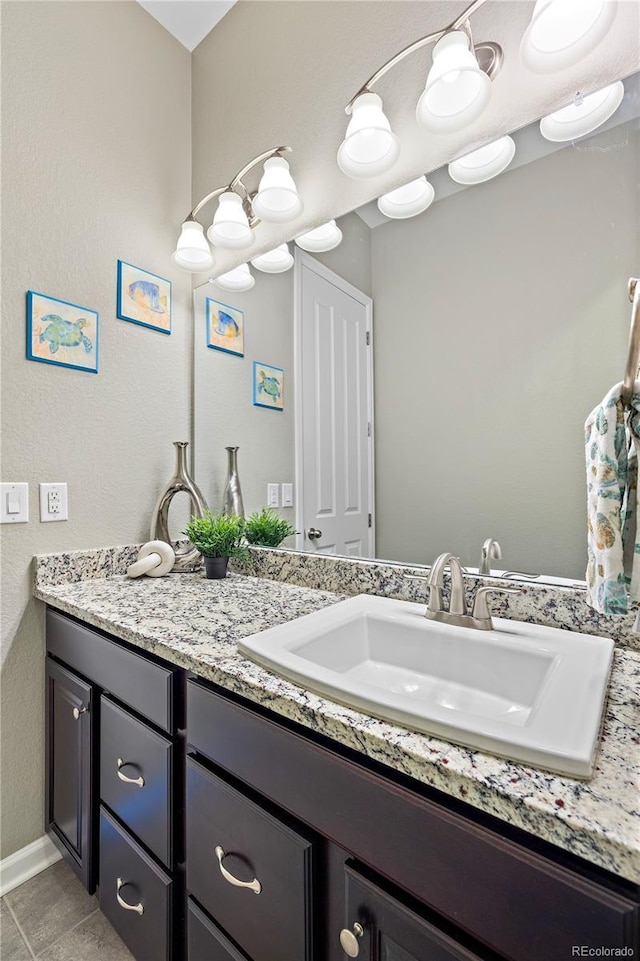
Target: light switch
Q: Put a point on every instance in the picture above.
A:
(287, 495)
(272, 495)
(14, 503)
(53, 502)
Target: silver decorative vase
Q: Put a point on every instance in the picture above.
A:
(232, 497)
(187, 559)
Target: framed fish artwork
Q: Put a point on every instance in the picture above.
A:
(143, 298)
(62, 333)
(268, 386)
(225, 328)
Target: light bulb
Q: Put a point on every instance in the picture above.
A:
(238, 279)
(369, 147)
(321, 239)
(584, 115)
(192, 250)
(562, 32)
(457, 90)
(407, 201)
(230, 227)
(275, 261)
(484, 163)
(277, 200)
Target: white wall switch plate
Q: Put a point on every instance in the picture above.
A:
(14, 503)
(272, 495)
(287, 495)
(53, 502)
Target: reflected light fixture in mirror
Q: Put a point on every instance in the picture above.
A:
(192, 251)
(483, 164)
(230, 227)
(370, 147)
(562, 32)
(274, 261)
(457, 90)
(238, 279)
(584, 115)
(277, 200)
(321, 239)
(407, 201)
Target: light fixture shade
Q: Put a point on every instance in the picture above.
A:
(407, 201)
(238, 279)
(370, 147)
(274, 261)
(484, 163)
(192, 250)
(230, 227)
(582, 116)
(562, 32)
(457, 90)
(321, 239)
(277, 200)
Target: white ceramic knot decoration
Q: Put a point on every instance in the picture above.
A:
(154, 559)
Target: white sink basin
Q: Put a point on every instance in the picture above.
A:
(529, 693)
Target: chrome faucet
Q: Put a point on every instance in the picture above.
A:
(480, 617)
(491, 550)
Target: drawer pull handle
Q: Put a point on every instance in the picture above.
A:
(254, 885)
(138, 908)
(78, 711)
(349, 940)
(128, 780)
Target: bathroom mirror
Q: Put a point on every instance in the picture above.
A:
(500, 318)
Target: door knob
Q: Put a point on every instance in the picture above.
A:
(313, 534)
(349, 940)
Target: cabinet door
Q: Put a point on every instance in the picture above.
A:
(69, 782)
(380, 928)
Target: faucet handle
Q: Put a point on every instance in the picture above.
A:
(481, 610)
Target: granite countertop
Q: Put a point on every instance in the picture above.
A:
(195, 624)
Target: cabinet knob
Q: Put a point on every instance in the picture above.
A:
(77, 712)
(253, 885)
(129, 780)
(349, 940)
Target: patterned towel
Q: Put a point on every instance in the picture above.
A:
(612, 438)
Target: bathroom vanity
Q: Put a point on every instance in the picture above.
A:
(226, 815)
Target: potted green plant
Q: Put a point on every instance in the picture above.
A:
(218, 537)
(266, 529)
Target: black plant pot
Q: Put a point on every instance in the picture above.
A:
(216, 567)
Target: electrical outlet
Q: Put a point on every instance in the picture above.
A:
(287, 495)
(272, 495)
(53, 502)
(14, 503)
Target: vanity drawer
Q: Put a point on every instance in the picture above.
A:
(136, 777)
(226, 832)
(147, 687)
(136, 896)
(206, 942)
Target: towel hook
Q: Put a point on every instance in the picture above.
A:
(633, 356)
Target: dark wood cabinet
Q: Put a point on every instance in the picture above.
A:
(70, 755)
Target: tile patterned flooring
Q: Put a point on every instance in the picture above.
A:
(52, 918)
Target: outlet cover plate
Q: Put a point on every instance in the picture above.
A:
(54, 505)
(273, 491)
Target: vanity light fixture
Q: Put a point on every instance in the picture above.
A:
(407, 201)
(238, 279)
(457, 91)
(239, 211)
(562, 32)
(484, 163)
(322, 239)
(275, 261)
(584, 115)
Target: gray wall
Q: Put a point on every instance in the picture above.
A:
(96, 166)
(501, 320)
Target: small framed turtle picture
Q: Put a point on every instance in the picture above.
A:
(61, 333)
(268, 386)
(143, 298)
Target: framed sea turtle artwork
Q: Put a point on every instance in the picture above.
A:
(143, 298)
(61, 333)
(225, 328)
(268, 386)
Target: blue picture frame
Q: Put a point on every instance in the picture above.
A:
(228, 335)
(268, 386)
(143, 298)
(70, 331)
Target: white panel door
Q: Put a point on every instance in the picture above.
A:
(334, 395)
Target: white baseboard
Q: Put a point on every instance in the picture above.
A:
(26, 863)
